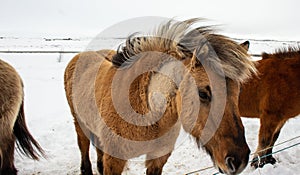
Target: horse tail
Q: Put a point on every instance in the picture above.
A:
(26, 144)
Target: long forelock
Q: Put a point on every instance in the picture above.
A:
(225, 56)
(234, 59)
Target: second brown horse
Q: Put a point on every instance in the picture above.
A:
(273, 96)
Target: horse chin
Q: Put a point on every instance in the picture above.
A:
(222, 166)
(228, 171)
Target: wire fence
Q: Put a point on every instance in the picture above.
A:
(63, 51)
(39, 51)
(275, 152)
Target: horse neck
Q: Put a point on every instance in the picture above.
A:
(164, 83)
(153, 90)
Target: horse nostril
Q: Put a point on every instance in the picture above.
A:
(230, 164)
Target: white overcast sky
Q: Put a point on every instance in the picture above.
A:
(270, 19)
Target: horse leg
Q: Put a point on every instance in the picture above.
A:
(155, 166)
(270, 126)
(84, 145)
(7, 146)
(271, 159)
(99, 160)
(113, 165)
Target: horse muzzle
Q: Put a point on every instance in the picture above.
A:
(234, 165)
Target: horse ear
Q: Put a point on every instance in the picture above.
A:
(245, 45)
(195, 61)
(200, 54)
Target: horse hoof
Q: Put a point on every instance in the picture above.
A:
(271, 160)
(84, 172)
(266, 160)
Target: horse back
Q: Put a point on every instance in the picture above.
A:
(275, 90)
(11, 93)
(88, 59)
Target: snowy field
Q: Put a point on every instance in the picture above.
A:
(50, 121)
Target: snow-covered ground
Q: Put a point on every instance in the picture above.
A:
(50, 121)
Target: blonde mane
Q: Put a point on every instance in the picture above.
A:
(165, 39)
(224, 57)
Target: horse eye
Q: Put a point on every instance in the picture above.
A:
(203, 95)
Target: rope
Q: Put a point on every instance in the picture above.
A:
(259, 157)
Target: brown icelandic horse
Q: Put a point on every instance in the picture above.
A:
(273, 96)
(12, 121)
(134, 101)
